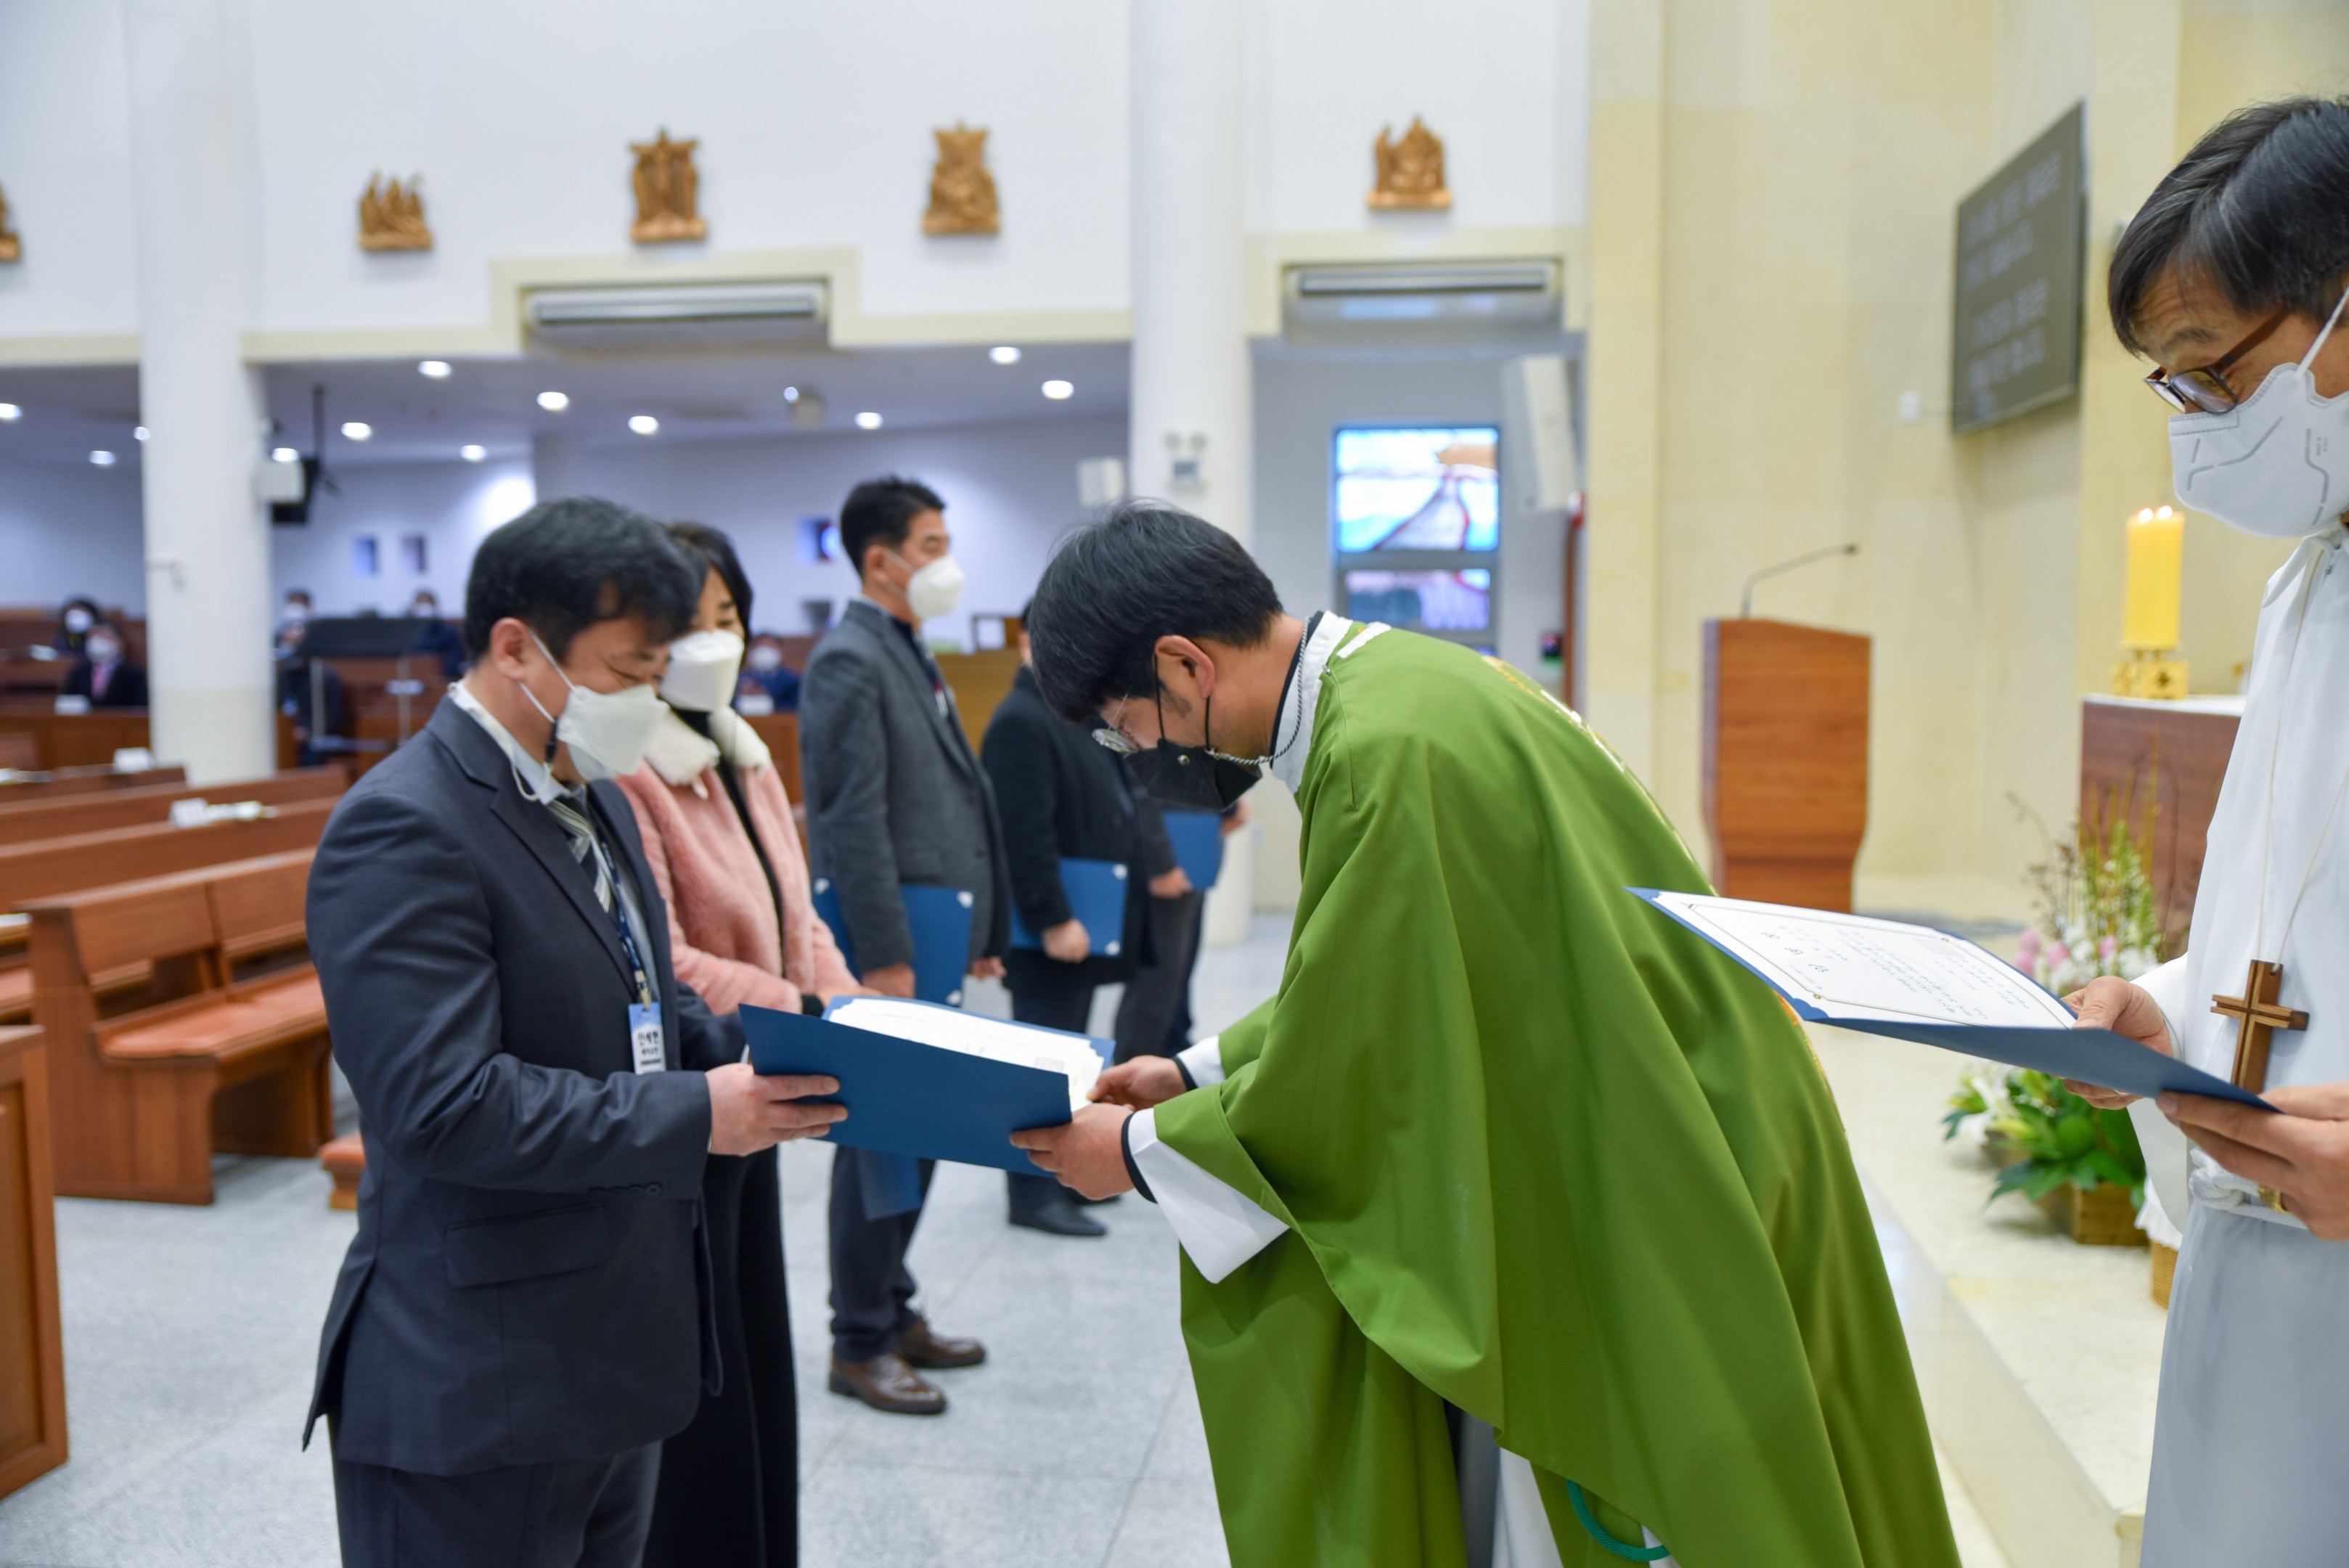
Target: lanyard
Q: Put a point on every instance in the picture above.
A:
(619, 914)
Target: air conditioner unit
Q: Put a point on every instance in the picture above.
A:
(672, 316)
(1398, 304)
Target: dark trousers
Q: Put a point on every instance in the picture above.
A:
(1156, 1014)
(729, 1494)
(578, 1513)
(871, 1289)
(1052, 995)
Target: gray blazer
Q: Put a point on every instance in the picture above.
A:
(893, 792)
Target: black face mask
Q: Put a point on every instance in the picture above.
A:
(1197, 778)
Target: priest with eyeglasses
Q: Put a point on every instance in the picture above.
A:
(1505, 1146)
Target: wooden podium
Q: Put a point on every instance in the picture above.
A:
(1785, 760)
(31, 1356)
(2135, 753)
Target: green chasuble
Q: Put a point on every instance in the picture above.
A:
(1544, 1155)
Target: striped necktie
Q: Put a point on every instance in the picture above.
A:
(585, 848)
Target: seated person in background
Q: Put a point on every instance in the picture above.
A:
(74, 621)
(296, 615)
(764, 674)
(440, 638)
(105, 672)
(742, 927)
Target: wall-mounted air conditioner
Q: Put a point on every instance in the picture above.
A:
(677, 316)
(1394, 303)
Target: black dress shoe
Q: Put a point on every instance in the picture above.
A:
(926, 1347)
(1085, 1202)
(1058, 1215)
(886, 1382)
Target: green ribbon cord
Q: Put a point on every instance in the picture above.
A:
(1598, 1532)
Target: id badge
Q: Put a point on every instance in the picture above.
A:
(644, 1037)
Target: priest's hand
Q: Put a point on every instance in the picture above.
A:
(2108, 1002)
(1144, 1082)
(1088, 1153)
(2303, 1154)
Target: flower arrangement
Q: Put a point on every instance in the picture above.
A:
(2061, 1139)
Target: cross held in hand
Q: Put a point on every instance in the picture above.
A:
(2257, 1015)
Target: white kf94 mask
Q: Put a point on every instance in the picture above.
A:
(2275, 464)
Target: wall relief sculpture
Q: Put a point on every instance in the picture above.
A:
(391, 215)
(962, 192)
(12, 245)
(1411, 171)
(668, 191)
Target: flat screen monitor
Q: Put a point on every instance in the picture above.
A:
(1422, 601)
(1435, 487)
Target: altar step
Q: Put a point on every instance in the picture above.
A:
(2038, 1358)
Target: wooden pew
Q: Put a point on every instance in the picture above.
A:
(59, 783)
(30, 871)
(146, 1082)
(29, 821)
(68, 740)
(31, 1353)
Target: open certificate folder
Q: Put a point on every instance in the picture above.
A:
(1913, 982)
(932, 1082)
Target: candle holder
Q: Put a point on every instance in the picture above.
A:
(2150, 672)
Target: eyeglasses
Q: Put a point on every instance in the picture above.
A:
(2205, 391)
(1112, 736)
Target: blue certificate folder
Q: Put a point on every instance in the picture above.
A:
(2092, 1055)
(1096, 891)
(907, 1098)
(1199, 838)
(939, 919)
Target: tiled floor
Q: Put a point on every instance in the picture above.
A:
(189, 1335)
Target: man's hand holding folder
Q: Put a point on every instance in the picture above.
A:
(749, 1113)
(2110, 1002)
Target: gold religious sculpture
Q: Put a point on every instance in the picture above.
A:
(391, 215)
(668, 191)
(1411, 171)
(962, 192)
(12, 246)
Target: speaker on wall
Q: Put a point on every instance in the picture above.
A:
(1544, 476)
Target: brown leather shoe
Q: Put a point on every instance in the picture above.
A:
(886, 1382)
(922, 1345)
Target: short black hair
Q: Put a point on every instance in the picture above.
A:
(302, 594)
(1146, 570)
(79, 601)
(881, 511)
(716, 552)
(564, 565)
(2259, 210)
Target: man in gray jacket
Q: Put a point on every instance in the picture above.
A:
(895, 796)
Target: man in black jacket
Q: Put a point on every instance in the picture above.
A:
(1063, 798)
(524, 1315)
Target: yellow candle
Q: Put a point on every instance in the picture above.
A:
(2157, 565)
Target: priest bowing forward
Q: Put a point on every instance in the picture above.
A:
(1503, 1139)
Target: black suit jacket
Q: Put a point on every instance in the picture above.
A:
(529, 1282)
(1063, 796)
(895, 793)
(126, 688)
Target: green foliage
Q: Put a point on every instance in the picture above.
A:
(2062, 1138)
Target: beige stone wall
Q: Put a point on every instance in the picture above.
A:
(1773, 186)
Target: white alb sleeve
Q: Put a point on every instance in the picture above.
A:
(1218, 1226)
(2166, 986)
(1204, 1061)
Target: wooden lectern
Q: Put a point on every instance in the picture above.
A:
(1785, 760)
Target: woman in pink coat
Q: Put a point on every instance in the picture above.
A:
(718, 834)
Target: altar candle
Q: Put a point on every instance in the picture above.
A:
(2156, 563)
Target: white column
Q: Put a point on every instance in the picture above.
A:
(1191, 372)
(207, 613)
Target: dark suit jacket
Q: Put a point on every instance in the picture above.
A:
(1063, 796)
(894, 794)
(126, 688)
(529, 1283)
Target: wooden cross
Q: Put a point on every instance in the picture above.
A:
(2257, 1016)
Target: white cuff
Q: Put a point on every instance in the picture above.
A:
(2166, 986)
(1204, 1061)
(1220, 1227)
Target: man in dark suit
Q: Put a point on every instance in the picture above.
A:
(894, 796)
(524, 1315)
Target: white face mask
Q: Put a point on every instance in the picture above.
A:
(298, 612)
(702, 669)
(607, 732)
(933, 590)
(103, 649)
(77, 620)
(766, 659)
(2275, 464)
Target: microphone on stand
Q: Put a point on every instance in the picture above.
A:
(1745, 608)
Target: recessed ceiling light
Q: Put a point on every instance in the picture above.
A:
(473, 453)
(103, 459)
(555, 403)
(643, 424)
(1004, 355)
(359, 430)
(1059, 389)
(436, 369)
(868, 421)
(139, 432)
(285, 455)
(791, 394)
(9, 412)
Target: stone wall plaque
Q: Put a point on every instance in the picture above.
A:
(391, 215)
(1411, 171)
(668, 191)
(962, 192)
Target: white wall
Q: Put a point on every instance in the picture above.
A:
(452, 504)
(65, 164)
(68, 529)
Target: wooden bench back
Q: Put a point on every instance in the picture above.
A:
(31, 821)
(107, 939)
(257, 905)
(31, 871)
(65, 782)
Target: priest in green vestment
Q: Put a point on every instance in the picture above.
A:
(1506, 1139)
